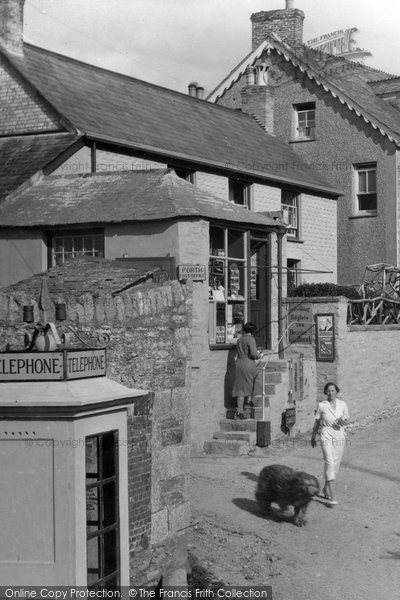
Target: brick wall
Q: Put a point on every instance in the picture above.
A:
(266, 197)
(150, 348)
(21, 111)
(286, 24)
(215, 184)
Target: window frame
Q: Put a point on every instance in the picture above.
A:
(305, 107)
(53, 235)
(186, 174)
(294, 268)
(98, 481)
(229, 305)
(365, 168)
(246, 189)
(287, 196)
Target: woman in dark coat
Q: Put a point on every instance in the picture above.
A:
(246, 371)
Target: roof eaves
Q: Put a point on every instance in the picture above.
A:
(328, 191)
(65, 123)
(272, 42)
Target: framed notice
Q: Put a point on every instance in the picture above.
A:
(325, 337)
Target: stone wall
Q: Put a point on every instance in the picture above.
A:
(150, 348)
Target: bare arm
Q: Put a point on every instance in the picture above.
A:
(314, 433)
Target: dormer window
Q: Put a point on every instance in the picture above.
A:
(304, 121)
(239, 193)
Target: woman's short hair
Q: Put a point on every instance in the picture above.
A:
(249, 328)
(331, 383)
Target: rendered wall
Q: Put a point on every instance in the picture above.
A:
(366, 360)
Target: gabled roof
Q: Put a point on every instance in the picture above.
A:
(21, 157)
(343, 79)
(126, 196)
(115, 108)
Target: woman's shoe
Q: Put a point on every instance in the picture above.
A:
(328, 499)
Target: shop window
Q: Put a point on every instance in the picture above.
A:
(74, 244)
(227, 284)
(102, 511)
(293, 275)
(304, 121)
(239, 193)
(291, 213)
(366, 192)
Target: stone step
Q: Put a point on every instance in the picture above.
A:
(257, 401)
(247, 436)
(233, 425)
(229, 448)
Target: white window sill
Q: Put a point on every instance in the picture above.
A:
(363, 215)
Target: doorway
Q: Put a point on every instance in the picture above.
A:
(259, 284)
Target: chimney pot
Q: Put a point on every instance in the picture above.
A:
(11, 25)
(192, 87)
(250, 76)
(200, 92)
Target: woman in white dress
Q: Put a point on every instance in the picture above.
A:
(331, 415)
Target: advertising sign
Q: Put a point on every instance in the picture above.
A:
(325, 337)
(337, 42)
(300, 325)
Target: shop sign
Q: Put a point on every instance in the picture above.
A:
(193, 272)
(325, 337)
(52, 366)
(300, 324)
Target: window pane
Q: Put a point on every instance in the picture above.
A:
(236, 275)
(217, 244)
(109, 455)
(238, 192)
(109, 504)
(78, 244)
(93, 557)
(92, 509)
(367, 202)
(98, 245)
(91, 457)
(235, 244)
(362, 181)
(372, 181)
(110, 552)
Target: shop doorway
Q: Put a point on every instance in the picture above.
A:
(259, 284)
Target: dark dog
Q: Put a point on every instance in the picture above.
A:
(286, 487)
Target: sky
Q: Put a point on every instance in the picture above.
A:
(173, 42)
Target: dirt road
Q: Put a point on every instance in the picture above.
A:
(347, 552)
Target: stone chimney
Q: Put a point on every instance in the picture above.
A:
(258, 96)
(11, 25)
(287, 24)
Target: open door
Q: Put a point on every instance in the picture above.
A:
(260, 309)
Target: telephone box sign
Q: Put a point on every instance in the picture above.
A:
(52, 366)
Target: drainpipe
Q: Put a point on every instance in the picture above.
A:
(280, 235)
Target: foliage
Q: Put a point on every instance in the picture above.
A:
(314, 290)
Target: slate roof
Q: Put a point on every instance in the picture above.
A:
(80, 275)
(124, 196)
(113, 107)
(345, 80)
(23, 156)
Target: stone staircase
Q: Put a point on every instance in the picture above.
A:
(238, 437)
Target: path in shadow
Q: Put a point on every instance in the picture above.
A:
(251, 506)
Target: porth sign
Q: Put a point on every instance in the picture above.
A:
(193, 272)
(52, 366)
